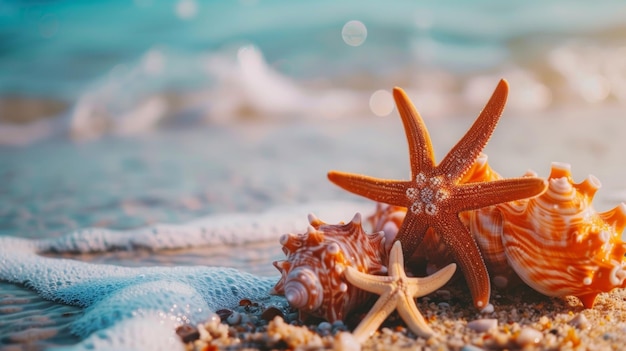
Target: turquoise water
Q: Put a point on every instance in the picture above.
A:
(173, 111)
(185, 60)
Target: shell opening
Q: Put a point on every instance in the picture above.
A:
(303, 289)
(560, 189)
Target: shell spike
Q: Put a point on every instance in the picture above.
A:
(481, 160)
(356, 220)
(530, 173)
(280, 265)
(588, 300)
(290, 242)
(560, 170)
(315, 237)
(616, 217)
(314, 221)
(589, 186)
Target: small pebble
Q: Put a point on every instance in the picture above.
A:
(324, 326)
(501, 339)
(224, 313)
(483, 325)
(529, 336)
(580, 321)
(339, 326)
(488, 309)
(270, 313)
(188, 333)
(234, 318)
(245, 302)
(345, 341)
(500, 281)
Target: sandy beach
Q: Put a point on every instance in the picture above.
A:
(522, 320)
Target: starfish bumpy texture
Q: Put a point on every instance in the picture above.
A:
(435, 195)
(397, 291)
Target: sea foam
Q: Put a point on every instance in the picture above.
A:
(140, 308)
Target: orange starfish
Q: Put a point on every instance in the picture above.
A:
(435, 195)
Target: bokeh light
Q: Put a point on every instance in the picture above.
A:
(186, 9)
(381, 103)
(354, 33)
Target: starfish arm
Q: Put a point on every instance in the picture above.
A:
(458, 161)
(426, 285)
(411, 233)
(396, 261)
(388, 191)
(375, 317)
(372, 283)
(421, 151)
(413, 318)
(467, 255)
(472, 196)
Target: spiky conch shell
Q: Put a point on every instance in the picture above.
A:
(312, 277)
(485, 224)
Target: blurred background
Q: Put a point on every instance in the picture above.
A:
(83, 69)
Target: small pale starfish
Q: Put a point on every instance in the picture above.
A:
(397, 291)
(435, 194)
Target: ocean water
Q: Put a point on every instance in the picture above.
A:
(190, 135)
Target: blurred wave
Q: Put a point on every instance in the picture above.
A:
(126, 68)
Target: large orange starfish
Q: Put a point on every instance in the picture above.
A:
(435, 195)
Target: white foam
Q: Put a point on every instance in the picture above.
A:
(139, 308)
(218, 229)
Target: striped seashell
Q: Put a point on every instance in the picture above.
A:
(312, 277)
(485, 225)
(559, 245)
